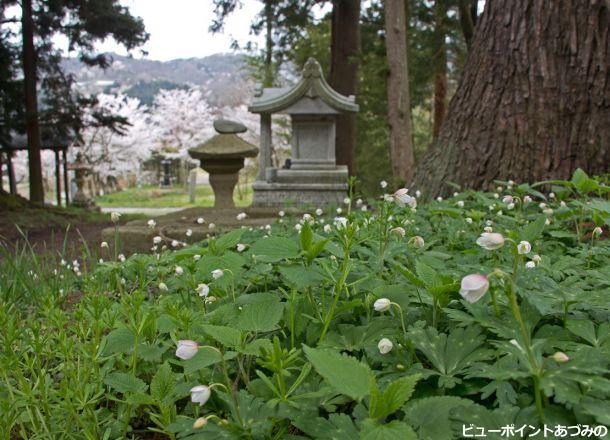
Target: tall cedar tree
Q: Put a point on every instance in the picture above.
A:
(345, 54)
(83, 22)
(534, 99)
(399, 103)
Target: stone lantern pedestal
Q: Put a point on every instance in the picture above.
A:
(222, 157)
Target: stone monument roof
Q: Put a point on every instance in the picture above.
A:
(224, 146)
(312, 85)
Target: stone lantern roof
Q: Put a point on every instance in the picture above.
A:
(311, 95)
(224, 146)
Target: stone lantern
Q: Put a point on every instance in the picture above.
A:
(313, 176)
(81, 169)
(222, 157)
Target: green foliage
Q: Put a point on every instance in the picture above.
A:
(290, 343)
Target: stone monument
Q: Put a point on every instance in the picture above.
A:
(312, 175)
(81, 199)
(222, 157)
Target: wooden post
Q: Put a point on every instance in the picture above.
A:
(265, 153)
(57, 178)
(12, 183)
(66, 186)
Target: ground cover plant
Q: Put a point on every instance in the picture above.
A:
(392, 319)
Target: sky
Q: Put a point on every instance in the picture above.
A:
(179, 28)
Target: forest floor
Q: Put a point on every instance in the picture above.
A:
(50, 229)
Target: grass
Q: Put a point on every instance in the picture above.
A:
(151, 196)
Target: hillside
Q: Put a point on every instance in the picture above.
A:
(222, 76)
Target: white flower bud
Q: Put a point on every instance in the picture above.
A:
(524, 247)
(382, 305)
(200, 394)
(473, 287)
(186, 349)
(385, 346)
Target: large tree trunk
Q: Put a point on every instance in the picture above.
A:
(399, 105)
(31, 103)
(534, 99)
(269, 73)
(440, 66)
(345, 47)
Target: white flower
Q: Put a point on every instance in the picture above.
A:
(597, 232)
(179, 270)
(121, 258)
(530, 265)
(157, 239)
(398, 231)
(151, 223)
(418, 193)
(385, 346)
(339, 210)
(548, 211)
(496, 196)
(101, 260)
(209, 299)
(196, 257)
(364, 208)
(307, 217)
(319, 212)
(175, 243)
(382, 305)
(211, 226)
(241, 216)
(499, 213)
(186, 349)
(455, 194)
(499, 189)
(460, 203)
(340, 222)
(527, 199)
(551, 195)
(383, 184)
(200, 394)
(347, 201)
(200, 423)
(490, 240)
(217, 273)
(510, 206)
(401, 197)
(542, 205)
(104, 244)
(189, 232)
(560, 357)
(298, 227)
(547, 222)
(203, 290)
(268, 227)
(281, 213)
(359, 202)
(115, 216)
(327, 228)
(473, 287)
(241, 247)
(468, 220)
(489, 223)
(537, 259)
(507, 200)
(439, 199)
(200, 221)
(562, 204)
(163, 286)
(417, 241)
(524, 247)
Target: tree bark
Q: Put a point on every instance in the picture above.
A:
(440, 67)
(31, 103)
(399, 103)
(467, 11)
(345, 48)
(269, 74)
(534, 99)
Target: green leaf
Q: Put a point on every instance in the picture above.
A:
(205, 357)
(229, 240)
(336, 427)
(150, 352)
(533, 230)
(427, 275)
(274, 249)
(227, 336)
(260, 316)
(125, 383)
(394, 396)
(344, 373)
(306, 237)
(120, 340)
(430, 416)
(583, 183)
(163, 383)
(302, 277)
(394, 430)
